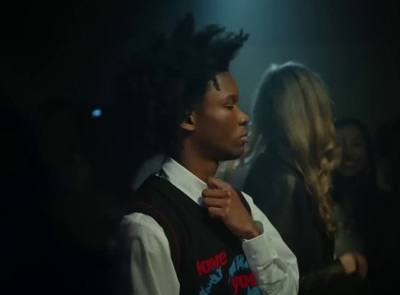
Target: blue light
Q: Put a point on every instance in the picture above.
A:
(96, 113)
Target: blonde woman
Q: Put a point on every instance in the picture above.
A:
(291, 180)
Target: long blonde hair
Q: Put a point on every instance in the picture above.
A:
(293, 104)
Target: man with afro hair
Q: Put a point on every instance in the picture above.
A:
(187, 232)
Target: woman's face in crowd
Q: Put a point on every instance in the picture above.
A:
(354, 151)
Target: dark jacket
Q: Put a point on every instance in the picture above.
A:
(277, 186)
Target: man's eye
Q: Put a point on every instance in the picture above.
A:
(230, 106)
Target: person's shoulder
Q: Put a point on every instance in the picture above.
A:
(153, 185)
(274, 158)
(274, 182)
(136, 219)
(271, 168)
(141, 227)
(148, 192)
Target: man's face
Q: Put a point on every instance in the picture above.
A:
(220, 125)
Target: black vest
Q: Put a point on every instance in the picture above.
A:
(208, 258)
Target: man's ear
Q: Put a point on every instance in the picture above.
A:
(189, 124)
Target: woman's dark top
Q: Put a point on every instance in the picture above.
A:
(277, 186)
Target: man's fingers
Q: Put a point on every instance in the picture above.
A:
(220, 213)
(213, 193)
(213, 202)
(216, 183)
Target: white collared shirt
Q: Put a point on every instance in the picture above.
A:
(150, 267)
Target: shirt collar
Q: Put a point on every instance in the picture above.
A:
(184, 180)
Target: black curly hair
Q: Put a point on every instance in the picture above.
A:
(166, 83)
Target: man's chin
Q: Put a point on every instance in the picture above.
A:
(234, 155)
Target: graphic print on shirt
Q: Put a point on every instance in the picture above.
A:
(211, 267)
(241, 279)
(214, 278)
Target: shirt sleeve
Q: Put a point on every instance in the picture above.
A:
(272, 262)
(147, 267)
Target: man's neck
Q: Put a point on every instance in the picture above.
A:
(196, 164)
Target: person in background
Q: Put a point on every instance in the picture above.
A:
(291, 180)
(354, 185)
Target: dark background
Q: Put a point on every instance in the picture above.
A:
(75, 48)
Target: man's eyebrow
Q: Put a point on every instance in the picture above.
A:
(231, 97)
